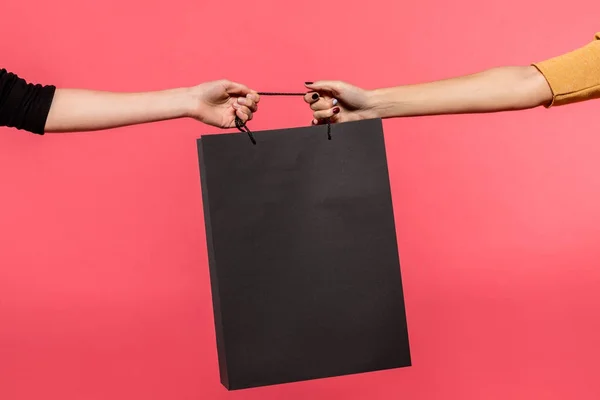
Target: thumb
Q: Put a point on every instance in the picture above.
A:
(237, 88)
(332, 87)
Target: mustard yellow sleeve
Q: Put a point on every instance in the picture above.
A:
(574, 76)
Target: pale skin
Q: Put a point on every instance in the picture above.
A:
(493, 90)
(215, 103)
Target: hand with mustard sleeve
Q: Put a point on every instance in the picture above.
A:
(499, 89)
(565, 79)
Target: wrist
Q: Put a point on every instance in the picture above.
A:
(170, 103)
(380, 103)
(187, 102)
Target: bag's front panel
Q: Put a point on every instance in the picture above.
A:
(305, 253)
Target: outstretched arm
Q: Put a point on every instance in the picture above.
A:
(565, 79)
(498, 89)
(41, 109)
(85, 110)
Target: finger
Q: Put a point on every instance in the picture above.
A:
(244, 114)
(328, 113)
(333, 120)
(323, 103)
(248, 102)
(245, 102)
(254, 96)
(333, 87)
(243, 110)
(247, 111)
(241, 116)
(311, 97)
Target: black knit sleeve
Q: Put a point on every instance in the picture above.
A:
(24, 105)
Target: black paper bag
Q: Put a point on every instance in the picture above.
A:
(303, 255)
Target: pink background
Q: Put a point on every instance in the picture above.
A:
(104, 286)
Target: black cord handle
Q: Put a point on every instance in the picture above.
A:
(241, 125)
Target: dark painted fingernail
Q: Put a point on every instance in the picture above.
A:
(336, 110)
(308, 83)
(315, 96)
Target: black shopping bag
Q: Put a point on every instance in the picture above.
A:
(303, 255)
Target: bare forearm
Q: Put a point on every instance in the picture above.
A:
(75, 110)
(498, 89)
